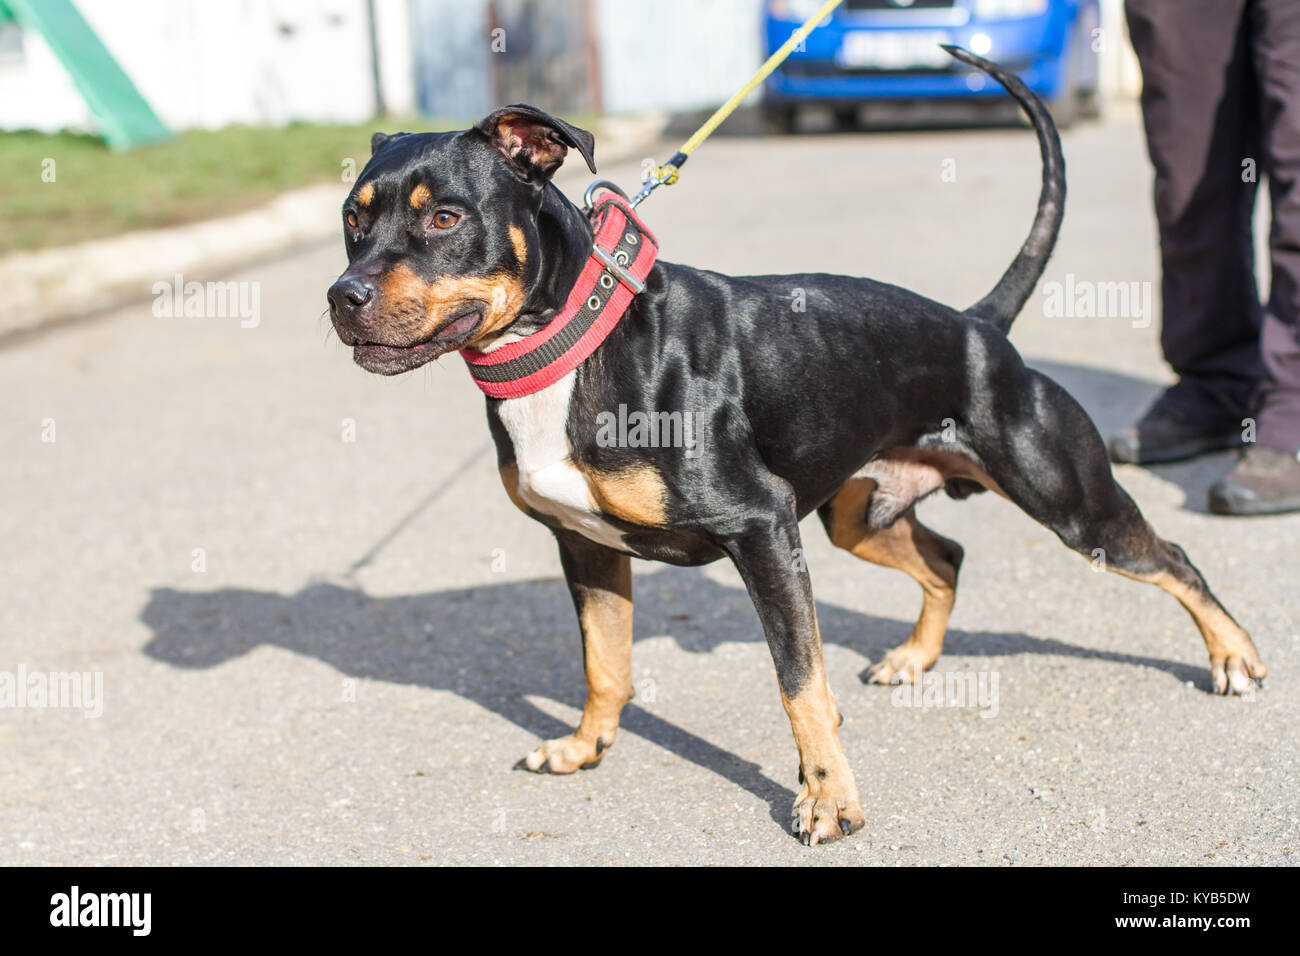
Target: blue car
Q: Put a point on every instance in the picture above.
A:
(874, 50)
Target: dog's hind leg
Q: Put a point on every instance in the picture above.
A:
(1047, 457)
(931, 559)
(600, 582)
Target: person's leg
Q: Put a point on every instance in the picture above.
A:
(1267, 480)
(1276, 30)
(1200, 114)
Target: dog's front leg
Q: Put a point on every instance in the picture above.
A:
(769, 556)
(600, 581)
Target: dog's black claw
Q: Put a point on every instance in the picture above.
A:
(801, 775)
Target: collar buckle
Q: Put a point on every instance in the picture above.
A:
(617, 268)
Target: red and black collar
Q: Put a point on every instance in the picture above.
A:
(624, 251)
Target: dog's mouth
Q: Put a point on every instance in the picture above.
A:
(394, 359)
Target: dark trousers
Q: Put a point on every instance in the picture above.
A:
(1221, 106)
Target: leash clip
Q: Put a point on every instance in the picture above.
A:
(664, 175)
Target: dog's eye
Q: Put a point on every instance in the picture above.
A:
(352, 219)
(444, 219)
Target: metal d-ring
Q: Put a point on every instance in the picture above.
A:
(588, 197)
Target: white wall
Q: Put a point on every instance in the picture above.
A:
(680, 55)
(36, 92)
(396, 55)
(207, 64)
(1120, 75)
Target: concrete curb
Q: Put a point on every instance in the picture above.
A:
(52, 286)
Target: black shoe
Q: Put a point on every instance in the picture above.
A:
(1165, 434)
(1266, 481)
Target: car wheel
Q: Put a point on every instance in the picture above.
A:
(846, 118)
(1065, 109)
(1090, 104)
(778, 120)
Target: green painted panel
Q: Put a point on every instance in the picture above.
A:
(125, 117)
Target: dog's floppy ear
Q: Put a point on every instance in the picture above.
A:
(534, 142)
(379, 139)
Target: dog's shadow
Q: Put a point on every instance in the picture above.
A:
(499, 644)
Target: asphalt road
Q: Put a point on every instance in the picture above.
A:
(323, 650)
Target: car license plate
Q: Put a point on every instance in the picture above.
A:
(894, 49)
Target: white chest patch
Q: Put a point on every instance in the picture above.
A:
(548, 481)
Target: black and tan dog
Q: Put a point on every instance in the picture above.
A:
(859, 406)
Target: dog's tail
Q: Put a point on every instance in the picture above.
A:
(1001, 306)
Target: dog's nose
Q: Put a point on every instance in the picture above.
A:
(350, 293)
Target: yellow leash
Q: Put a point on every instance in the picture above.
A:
(666, 174)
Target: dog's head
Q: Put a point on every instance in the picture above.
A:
(442, 236)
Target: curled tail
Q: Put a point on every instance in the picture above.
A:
(1001, 306)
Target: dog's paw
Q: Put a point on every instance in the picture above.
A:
(903, 665)
(1236, 673)
(826, 817)
(566, 754)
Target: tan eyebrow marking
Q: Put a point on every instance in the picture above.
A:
(419, 196)
(366, 193)
(517, 240)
